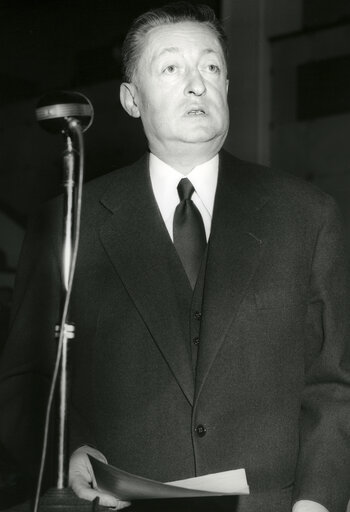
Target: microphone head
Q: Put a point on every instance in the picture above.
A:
(56, 109)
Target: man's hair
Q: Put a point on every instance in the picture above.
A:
(172, 13)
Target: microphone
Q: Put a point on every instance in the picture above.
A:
(56, 110)
(69, 114)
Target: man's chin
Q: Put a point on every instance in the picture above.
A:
(198, 136)
(200, 132)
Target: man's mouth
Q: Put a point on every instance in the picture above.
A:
(196, 112)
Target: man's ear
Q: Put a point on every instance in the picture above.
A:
(227, 84)
(128, 95)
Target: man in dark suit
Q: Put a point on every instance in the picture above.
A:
(211, 301)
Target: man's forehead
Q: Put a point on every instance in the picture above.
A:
(174, 37)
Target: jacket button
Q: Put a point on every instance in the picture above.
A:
(195, 340)
(200, 430)
(197, 315)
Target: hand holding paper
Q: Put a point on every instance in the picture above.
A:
(82, 479)
(132, 487)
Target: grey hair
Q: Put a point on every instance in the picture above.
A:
(172, 13)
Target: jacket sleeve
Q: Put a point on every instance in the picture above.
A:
(323, 472)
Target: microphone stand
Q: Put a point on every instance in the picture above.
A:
(62, 497)
(68, 328)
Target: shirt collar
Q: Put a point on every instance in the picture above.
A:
(165, 179)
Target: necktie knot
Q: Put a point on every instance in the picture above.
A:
(185, 189)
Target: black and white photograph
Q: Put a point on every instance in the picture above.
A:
(175, 256)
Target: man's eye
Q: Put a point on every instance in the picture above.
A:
(213, 68)
(170, 69)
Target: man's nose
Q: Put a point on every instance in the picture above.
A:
(195, 84)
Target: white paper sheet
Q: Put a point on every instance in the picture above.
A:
(234, 481)
(127, 486)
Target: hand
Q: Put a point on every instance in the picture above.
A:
(82, 479)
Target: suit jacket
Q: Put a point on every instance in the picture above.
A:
(272, 382)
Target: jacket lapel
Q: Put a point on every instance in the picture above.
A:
(142, 253)
(235, 249)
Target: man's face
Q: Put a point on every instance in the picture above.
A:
(180, 87)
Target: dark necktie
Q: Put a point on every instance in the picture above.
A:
(188, 230)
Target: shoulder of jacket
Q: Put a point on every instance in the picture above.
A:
(278, 183)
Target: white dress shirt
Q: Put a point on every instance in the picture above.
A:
(165, 180)
(204, 177)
